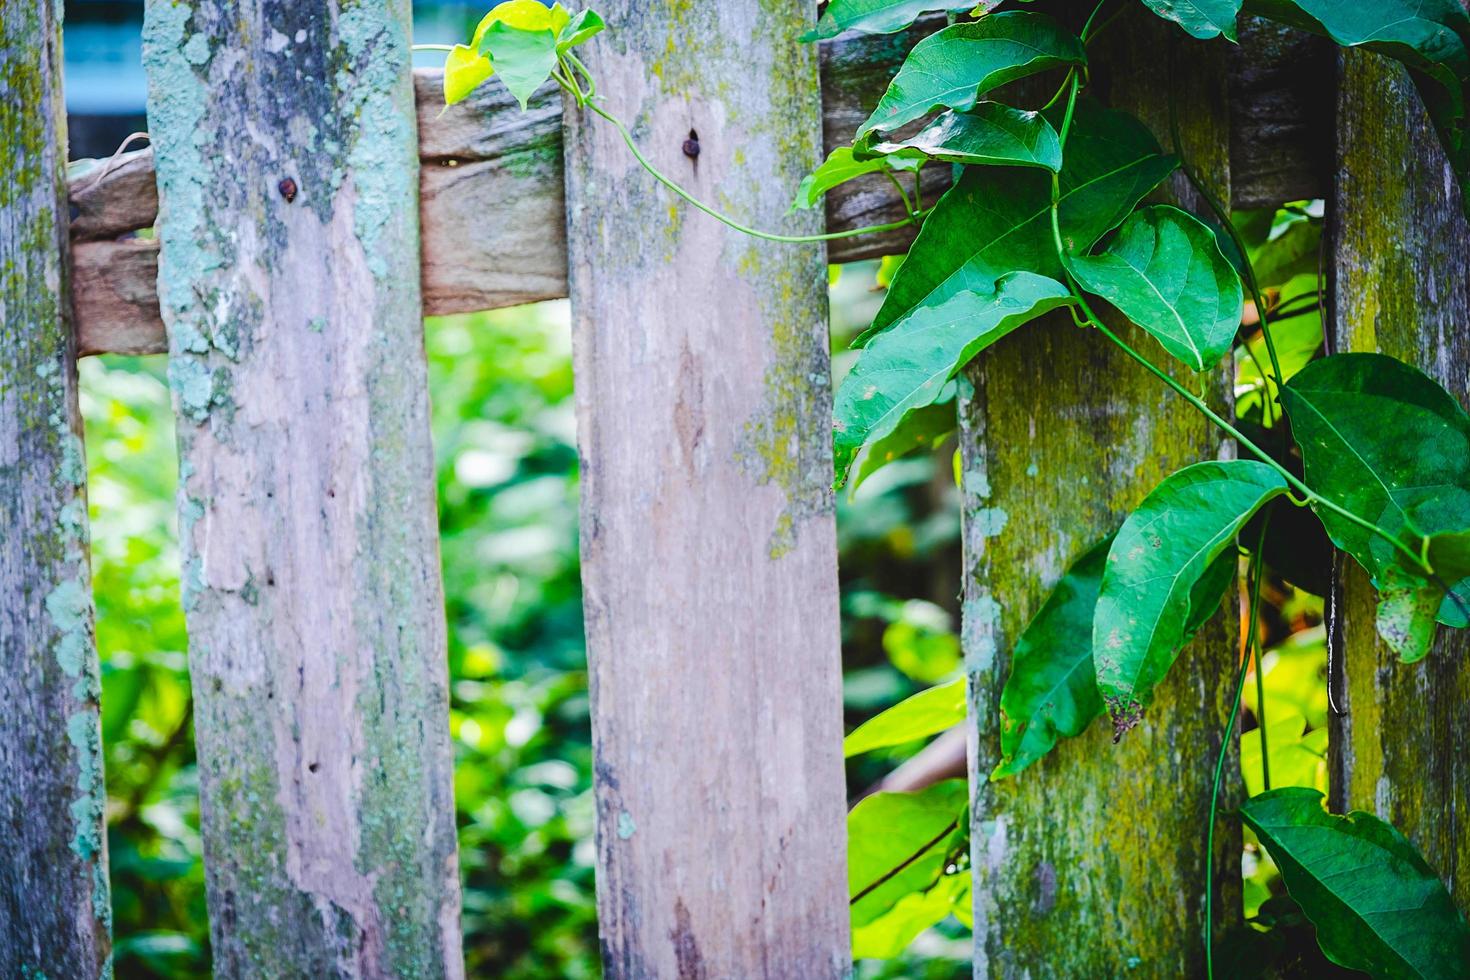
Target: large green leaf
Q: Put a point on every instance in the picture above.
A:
(841, 166)
(927, 713)
(520, 41)
(907, 366)
(882, 16)
(897, 842)
(953, 68)
(1051, 692)
(1384, 441)
(923, 428)
(993, 221)
(991, 134)
(1165, 272)
(1377, 905)
(1201, 18)
(1431, 37)
(1162, 551)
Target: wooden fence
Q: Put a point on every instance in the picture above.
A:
(311, 203)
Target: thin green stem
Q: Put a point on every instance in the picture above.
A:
(1253, 642)
(657, 175)
(908, 207)
(1245, 662)
(431, 47)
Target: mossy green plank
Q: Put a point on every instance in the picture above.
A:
(55, 911)
(286, 154)
(1092, 861)
(1401, 265)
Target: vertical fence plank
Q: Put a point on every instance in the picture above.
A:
(289, 282)
(708, 543)
(1092, 862)
(55, 914)
(1401, 286)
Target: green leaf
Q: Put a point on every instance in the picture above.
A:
(1290, 252)
(464, 70)
(927, 713)
(1203, 19)
(583, 27)
(991, 134)
(522, 15)
(841, 166)
(1407, 607)
(1298, 757)
(923, 428)
(1051, 692)
(1382, 440)
(900, 840)
(907, 366)
(1165, 272)
(993, 222)
(890, 934)
(955, 67)
(1431, 37)
(1377, 905)
(522, 58)
(881, 16)
(1162, 551)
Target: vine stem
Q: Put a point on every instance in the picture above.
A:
(1254, 573)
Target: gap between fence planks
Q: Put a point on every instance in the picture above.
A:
(491, 185)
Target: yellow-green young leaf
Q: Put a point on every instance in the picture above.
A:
(522, 15)
(955, 67)
(1200, 18)
(890, 934)
(1298, 757)
(1163, 550)
(922, 429)
(1407, 607)
(994, 221)
(464, 70)
(882, 16)
(523, 58)
(1165, 272)
(907, 366)
(926, 713)
(1377, 905)
(584, 25)
(990, 134)
(841, 166)
(897, 844)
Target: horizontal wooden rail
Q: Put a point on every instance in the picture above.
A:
(491, 195)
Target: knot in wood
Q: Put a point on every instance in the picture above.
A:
(691, 146)
(287, 187)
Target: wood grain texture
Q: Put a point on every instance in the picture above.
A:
(1061, 437)
(1401, 286)
(708, 540)
(55, 913)
(306, 503)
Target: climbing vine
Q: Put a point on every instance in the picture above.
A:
(1047, 214)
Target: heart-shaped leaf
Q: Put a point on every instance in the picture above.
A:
(1384, 441)
(906, 366)
(841, 166)
(523, 58)
(1162, 551)
(1200, 18)
(953, 68)
(1377, 905)
(991, 134)
(1165, 272)
(993, 222)
(927, 713)
(883, 16)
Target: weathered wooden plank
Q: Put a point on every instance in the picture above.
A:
(1060, 438)
(287, 177)
(708, 540)
(55, 914)
(1400, 270)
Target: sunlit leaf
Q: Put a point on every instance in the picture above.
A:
(1298, 757)
(882, 16)
(1159, 556)
(993, 222)
(464, 70)
(1377, 905)
(991, 134)
(955, 67)
(907, 366)
(890, 934)
(841, 166)
(1200, 18)
(897, 844)
(1165, 272)
(927, 713)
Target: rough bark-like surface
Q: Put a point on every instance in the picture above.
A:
(1061, 437)
(708, 540)
(1401, 271)
(55, 912)
(289, 282)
